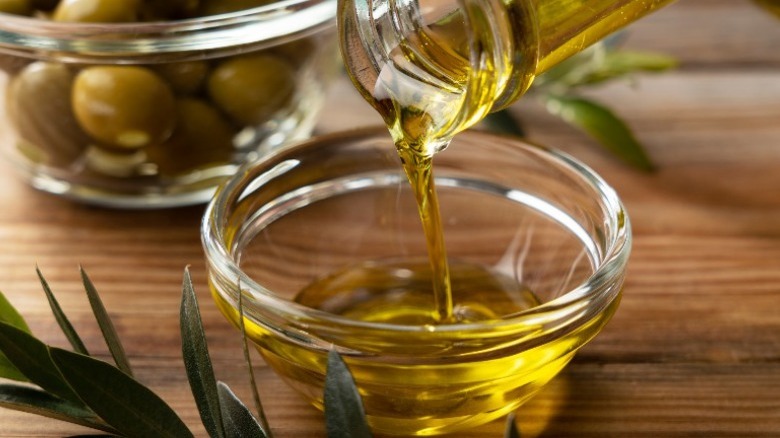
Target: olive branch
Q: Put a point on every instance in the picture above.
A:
(72, 386)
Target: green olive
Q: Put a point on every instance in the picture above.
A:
(202, 137)
(16, 7)
(214, 7)
(184, 77)
(97, 11)
(251, 88)
(126, 107)
(38, 105)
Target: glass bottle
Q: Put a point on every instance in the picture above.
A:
(435, 67)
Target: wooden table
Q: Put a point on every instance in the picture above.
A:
(694, 349)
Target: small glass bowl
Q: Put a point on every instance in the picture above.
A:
(325, 234)
(157, 114)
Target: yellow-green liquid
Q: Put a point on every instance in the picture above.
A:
(410, 383)
(400, 292)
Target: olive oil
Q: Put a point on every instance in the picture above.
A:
(400, 291)
(447, 386)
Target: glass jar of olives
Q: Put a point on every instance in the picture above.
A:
(147, 103)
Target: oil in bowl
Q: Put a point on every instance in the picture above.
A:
(324, 239)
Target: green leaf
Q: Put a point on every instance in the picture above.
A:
(35, 401)
(619, 63)
(248, 359)
(31, 357)
(603, 125)
(344, 413)
(511, 430)
(239, 422)
(106, 326)
(11, 316)
(200, 372)
(9, 371)
(122, 402)
(62, 320)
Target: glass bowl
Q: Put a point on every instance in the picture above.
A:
(157, 114)
(325, 242)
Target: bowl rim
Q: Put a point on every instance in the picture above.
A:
(573, 308)
(270, 24)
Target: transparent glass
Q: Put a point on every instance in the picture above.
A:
(195, 98)
(538, 244)
(474, 56)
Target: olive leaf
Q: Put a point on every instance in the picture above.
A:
(603, 125)
(31, 357)
(106, 326)
(89, 392)
(511, 430)
(35, 401)
(10, 315)
(344, 413)
(596, 64)
(200, 372)
(62, 320)
(122, 402)
(239, 422)
(619, 63)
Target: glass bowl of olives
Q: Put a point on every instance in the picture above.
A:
(145, 104)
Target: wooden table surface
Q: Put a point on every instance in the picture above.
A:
(694, 349)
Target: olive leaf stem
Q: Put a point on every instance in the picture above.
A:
(105, 324)
(67, 328)
(252, 382)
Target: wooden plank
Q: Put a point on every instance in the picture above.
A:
(711, 33)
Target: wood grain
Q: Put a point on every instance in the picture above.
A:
(694, 349)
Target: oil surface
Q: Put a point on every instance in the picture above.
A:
(399, 292)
